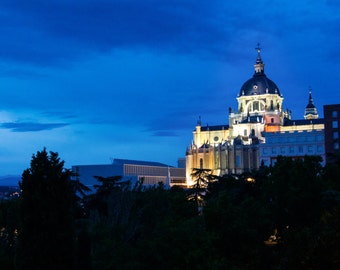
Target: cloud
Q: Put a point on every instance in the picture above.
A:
(46, 32)
(30, 126)
(58, 31)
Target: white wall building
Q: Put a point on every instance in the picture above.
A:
(149, 173)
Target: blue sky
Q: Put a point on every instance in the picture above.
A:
(95, 80)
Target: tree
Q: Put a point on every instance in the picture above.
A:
(239, 221)
(46, 236)
(8, 232)
(202, 178)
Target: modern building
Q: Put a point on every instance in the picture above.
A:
(241, 146)
(295, 144)
(332, 131)
(148, 173)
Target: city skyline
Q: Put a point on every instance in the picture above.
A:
(96, 80)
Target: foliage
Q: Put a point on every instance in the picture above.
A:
(46, 234)
(282, 217)
(9, 220)
(197, 192)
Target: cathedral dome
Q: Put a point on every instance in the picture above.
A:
(259, 84)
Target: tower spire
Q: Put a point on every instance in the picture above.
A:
(258, 49)
(310, 100)
(259, 66)
(310, 111)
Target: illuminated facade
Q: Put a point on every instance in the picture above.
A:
(239, 146)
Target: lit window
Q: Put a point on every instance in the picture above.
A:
(335, 124)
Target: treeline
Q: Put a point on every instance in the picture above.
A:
(282, 217)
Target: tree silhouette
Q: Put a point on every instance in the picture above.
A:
(46, 234)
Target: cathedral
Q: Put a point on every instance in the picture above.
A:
(258, 131)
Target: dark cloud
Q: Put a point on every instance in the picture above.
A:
(58, 31)
(30, 126)
(43, 31)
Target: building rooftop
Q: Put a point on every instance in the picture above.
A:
(289, 122)
(117, 161)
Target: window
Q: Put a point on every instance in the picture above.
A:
(265, 162)
(238, 161)
(255, 106)
(272, 120)
(319, 148)
(300, 149)
(245, 132)
(310, 148)
(335, 124)
(261, 107)
(336, 146)
(283, 150)
(265, 151)
(335, 135)
(273, 150)
(291, 139)
(201, 163)
(334, 114)
(319, 138)
(291, 149)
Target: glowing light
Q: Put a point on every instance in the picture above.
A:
(250, 180)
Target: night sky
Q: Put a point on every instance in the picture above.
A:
(96, 79)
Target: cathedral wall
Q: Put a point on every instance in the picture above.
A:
(246, 129)
(210, 136)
